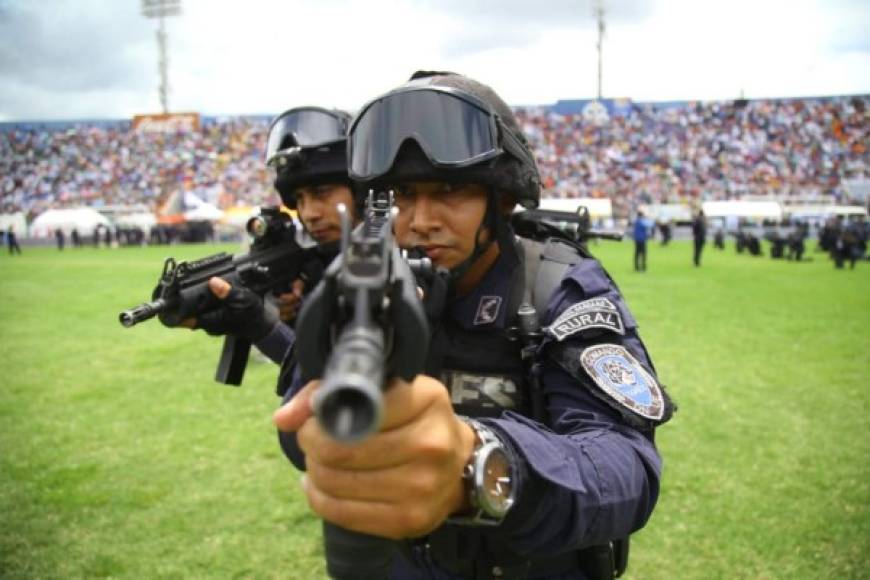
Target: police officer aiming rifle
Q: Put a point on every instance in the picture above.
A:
(525, 448)
(306, 146)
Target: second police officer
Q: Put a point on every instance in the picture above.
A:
(306, 146)
(489, 465)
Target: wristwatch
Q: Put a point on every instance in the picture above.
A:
(489, 478)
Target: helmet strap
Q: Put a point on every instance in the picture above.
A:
(498, 231)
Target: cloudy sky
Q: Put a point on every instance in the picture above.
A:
(69, 59)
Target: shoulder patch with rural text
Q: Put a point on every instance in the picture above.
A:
(592, 313)
(624, 380)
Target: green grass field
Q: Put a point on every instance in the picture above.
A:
(120, 457)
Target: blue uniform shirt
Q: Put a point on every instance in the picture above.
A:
(641, 230)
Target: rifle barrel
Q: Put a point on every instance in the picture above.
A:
(141, 313)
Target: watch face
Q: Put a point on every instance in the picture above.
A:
(496, 494)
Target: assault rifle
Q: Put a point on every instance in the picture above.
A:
(363, 324)
(273, 262)
(574, 226)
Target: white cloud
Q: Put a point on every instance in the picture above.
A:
(263, 57)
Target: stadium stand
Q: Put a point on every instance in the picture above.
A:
(635, 154)
(111, 164)
(703, 151)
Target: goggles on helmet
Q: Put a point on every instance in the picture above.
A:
(454, 130)
(302, 128)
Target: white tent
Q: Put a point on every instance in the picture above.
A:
(204, 212)
(749, 209)
(673, 212)
(821, 212)
(141, 220)
(84, 219)
(845, 210)
(239, 215)
(16, 220)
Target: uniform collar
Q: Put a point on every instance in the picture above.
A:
(485, 307)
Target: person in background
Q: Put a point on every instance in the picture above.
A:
(854, 240)
(719, 238)
(796, 241)
(640, 235)
(12, 241)
(667, 231)
(839, 242)
(699, 236)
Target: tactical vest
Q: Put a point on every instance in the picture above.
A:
(487, 372)
(483, 370)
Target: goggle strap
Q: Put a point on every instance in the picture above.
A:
(513, 145)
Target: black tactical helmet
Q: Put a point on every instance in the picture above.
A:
(307, 146)
(442, 126)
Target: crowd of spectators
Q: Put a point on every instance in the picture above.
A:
(650, 154)
(95, 166)
(703, 151)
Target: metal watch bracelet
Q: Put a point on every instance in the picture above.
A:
(486, 443)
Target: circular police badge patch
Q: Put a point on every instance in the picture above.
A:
(623, 378)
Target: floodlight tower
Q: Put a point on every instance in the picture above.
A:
(161, 9)
(599, 14)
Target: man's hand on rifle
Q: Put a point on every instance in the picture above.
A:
(401, 482)
(241, 314)
(289, 302)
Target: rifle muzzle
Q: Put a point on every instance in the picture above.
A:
(349, 402)
(141, 313)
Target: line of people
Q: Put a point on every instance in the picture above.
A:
(102, 235)
(845, 240)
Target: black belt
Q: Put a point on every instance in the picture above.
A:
(484, 567)
(550, 566)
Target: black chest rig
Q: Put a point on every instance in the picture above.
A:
(488, 370)
(483, 369)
